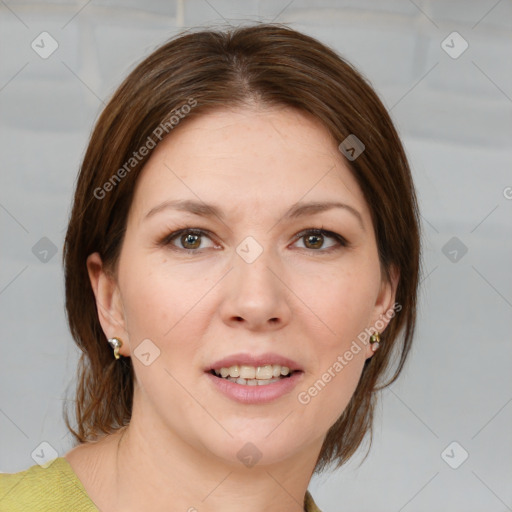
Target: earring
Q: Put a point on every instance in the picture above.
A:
(375, 339)
(116, 344)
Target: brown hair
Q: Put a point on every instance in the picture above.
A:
(271, 65)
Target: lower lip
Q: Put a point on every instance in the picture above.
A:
(255, 394)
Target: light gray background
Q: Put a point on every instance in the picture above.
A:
(455, 117)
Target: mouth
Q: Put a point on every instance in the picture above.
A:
(247, 375)
(253, 380)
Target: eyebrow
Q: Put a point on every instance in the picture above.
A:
(297, 210)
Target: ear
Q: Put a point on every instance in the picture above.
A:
(384, 304)
(108, 302)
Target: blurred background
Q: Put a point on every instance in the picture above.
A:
(443, 68)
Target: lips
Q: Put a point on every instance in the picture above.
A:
(256, 394)
(259, 389)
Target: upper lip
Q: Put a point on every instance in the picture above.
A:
(254, 360)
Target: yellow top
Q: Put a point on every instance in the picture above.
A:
(57, 489)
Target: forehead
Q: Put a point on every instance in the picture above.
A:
(248, 158)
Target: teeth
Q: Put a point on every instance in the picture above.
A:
(234, 371)
(252, 382)
(266, 381)
(264, 372)
(245, 374)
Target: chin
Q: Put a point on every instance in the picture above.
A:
(263, 446)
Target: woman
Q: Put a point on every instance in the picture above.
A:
(244, 237)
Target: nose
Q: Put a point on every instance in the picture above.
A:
(255, 298)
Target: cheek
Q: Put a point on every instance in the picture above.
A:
(160, 300)
(345, 305)
(149, 304)
(344, 302)
(328, 390)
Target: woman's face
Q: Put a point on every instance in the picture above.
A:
(249, 286)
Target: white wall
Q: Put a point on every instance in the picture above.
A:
(455, 116)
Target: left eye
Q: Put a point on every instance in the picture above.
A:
(315, 239)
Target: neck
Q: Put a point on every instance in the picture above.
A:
(158, 471)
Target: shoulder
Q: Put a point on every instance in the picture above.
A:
(54, 488)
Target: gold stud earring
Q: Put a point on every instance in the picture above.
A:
(116, 344)
(375, 340)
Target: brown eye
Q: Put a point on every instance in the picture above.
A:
(313, 241)
(316, 240)
(190, 241)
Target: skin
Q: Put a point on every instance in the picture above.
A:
(299, 299)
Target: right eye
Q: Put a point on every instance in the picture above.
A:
(188, 239)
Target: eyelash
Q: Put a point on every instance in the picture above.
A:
(342, 242)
